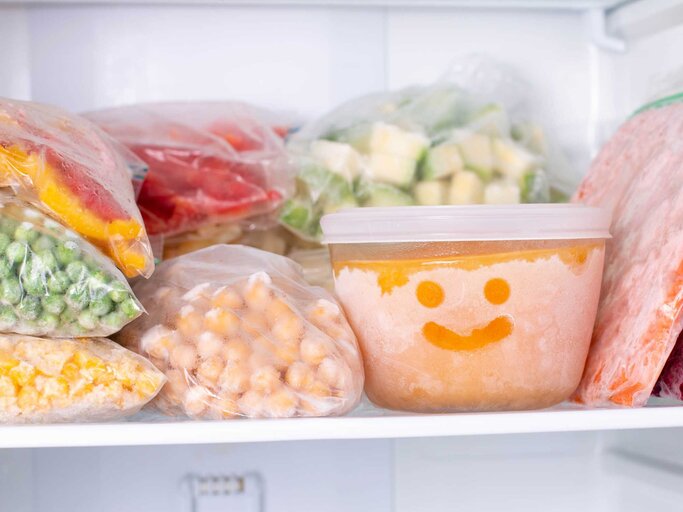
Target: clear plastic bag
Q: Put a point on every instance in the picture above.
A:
(54, 283)
(208, 163)
(67, 166)
(238, 332)
(54, 380)
(469, 138)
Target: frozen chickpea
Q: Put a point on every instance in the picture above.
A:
(318, 389)
(288, 328)
(234, 379)
(209, 370)
(332, 372)
(299, 376)
(198, 293)
(314, 349)
(189, 322)
(225, 406)
(209, 345)
(196, 401)
(253, 324)
(252, 404)
(227, 298)
(277, 310)
(281, 404)
(158, 341)
(236, 350)
(257, 293)
(323, 312)
(222, 321)
(184, 356)
(265, 379)
(286, 354)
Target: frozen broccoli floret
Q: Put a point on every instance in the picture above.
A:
(67, 252)
(29, 308)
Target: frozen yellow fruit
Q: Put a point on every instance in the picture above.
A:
(300, 376)
(189, 322)
(265, 379)
(281, 404)
(222, 321)
(7, 362)
(28, 398)
(252, 404)
(314, 349)
(209, 345)
(146, 385)
(196, 401)
(288, 329)
(227, 298)
(7, 386)
(184, 356)
(158, 341)
(234, 379)
(51, 387)
(257, 293)
(209, 370)
(236, 350)
(22, 374)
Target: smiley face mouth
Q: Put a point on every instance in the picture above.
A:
(496, 330)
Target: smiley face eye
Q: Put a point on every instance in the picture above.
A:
(497, 291)
(430, 294)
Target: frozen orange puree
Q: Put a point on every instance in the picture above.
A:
(490, 331)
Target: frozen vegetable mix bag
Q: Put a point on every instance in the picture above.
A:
(54, 380)
(54, 283)
(467, 139)
(238, 332)
(67, 166)
(208, 162)
(638, 176)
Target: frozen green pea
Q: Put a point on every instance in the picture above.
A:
(8, 226)
(7, 317)
(114, 320)
(118, 292)
(77, 271)
(26, 232)
(53, 304)
(47, 260)
(16, 252)
(42, 243)
(4, 242)
(67, 252)
(47, 322)
(34, 281)
(58, 282)
(29, 308)
(11, 290)
(77, 297)
(5, 267)
(101, 306)
(129, 308)
(88, 320)
(68, 316)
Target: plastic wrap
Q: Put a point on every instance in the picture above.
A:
(238, 332)
(50, 380)
(638, 176)
(209, 163)
(54, 283)
(67, 166)
(469, 138)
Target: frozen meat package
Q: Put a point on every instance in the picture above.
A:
(238, 332)
(67, 166)
(472, 137)
(208, 163)
(53, 282)
(638, 176)
(56, 380)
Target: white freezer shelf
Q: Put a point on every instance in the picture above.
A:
(373, 424)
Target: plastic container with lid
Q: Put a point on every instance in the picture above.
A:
(470, 307)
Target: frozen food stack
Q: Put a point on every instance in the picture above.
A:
(638, 176)
(68, 219)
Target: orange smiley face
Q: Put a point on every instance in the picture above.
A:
(496, 291)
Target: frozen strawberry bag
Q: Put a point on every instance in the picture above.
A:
(638, 176)
(208, 162)
(238, 332)
(65, 165)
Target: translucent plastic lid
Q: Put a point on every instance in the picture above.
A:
(465, 223)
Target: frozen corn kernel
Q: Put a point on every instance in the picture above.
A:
(281, 404)
(209, 345)
(234, 379)
(7, 387)
(222, 321)
(27, 399)
(252, 404)
(209, 370)
(184, 356)
(314, 349)
(196, 401)
(189, 322)
(257, 293)
(265, 379)
(22, 374)
(300, 376)
(236, 350)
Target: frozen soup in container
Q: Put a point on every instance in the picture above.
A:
(470, 308)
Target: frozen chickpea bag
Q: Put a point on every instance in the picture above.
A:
(52, 380)
(238, 332)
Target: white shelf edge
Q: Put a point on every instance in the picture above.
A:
(388, 427)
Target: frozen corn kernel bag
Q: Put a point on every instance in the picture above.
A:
(67, 166)
(238, 332)
(208, 162)
(53, 380)
(470, 138)
(54, 283)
